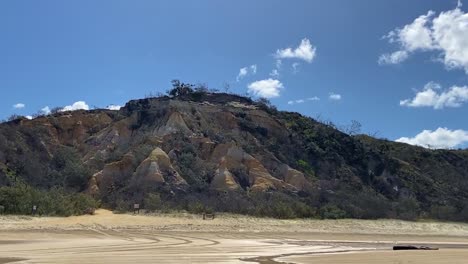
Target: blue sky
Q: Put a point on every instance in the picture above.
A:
(391, 65)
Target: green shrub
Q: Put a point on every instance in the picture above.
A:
(443, 212)
(196, 207)
(153, 202)
(20, 199)
(330, 211)
(408, 208)
(305, 167)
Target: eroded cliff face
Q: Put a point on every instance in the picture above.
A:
(226, 143)
(167, 127)
(144, 144)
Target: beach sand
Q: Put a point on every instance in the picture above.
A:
(443, 256)
(185, 238)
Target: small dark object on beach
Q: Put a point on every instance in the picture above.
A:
(208, 216)
(89, 211)
(413, 248)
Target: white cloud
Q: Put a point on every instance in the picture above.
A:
(305, 51)
(446, 33)
(45, 110)
(393, 58)
(29, 117)
(114, 107)
(335, 97)
(268, 88)
(439, 138)
(242, 73)
(278, 64)
(414, 36)
(80, 105)
(19, 106)
(295, 67)
(455, 96)
(450, 33)
(252, 69)
(301, 101)
(274, 73)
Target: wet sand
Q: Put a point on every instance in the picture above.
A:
(111, 238)
(8, 260)
(443, 256)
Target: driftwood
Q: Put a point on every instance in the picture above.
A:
(413, 248)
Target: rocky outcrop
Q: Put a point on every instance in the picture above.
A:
(116, 173)
(229, 143)
(93, 185)
(295, 178)
(232, 157)
(223, 179)
(175, 123)
(204, 145)
(157, 169)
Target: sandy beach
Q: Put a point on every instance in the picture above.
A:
(452, 256)
(184, 238)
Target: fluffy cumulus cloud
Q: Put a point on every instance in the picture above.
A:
(446, 33)
(45, 110)
(440, 138)
(252, 69)
(268, 88)
(80, 105)
(334, 97)
(433, 96)
(114, 107)
(19, 106)
(301, 101)
(305, 51)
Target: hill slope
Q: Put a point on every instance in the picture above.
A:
(202, 151)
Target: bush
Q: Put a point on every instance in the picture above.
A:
(153, 202)
(282, 210)
(67, 170)
(408, 208)
(330, 211)
(443, 212)
(196, 207)
(20, 199)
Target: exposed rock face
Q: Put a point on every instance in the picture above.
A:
(116, 173)
(295, 178)
(231, 157)
(157, 168)
(175, 123)
(204, 144)
(223, 178)
(93, 187)
(221, 142)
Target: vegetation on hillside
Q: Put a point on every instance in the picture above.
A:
(349, 175)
